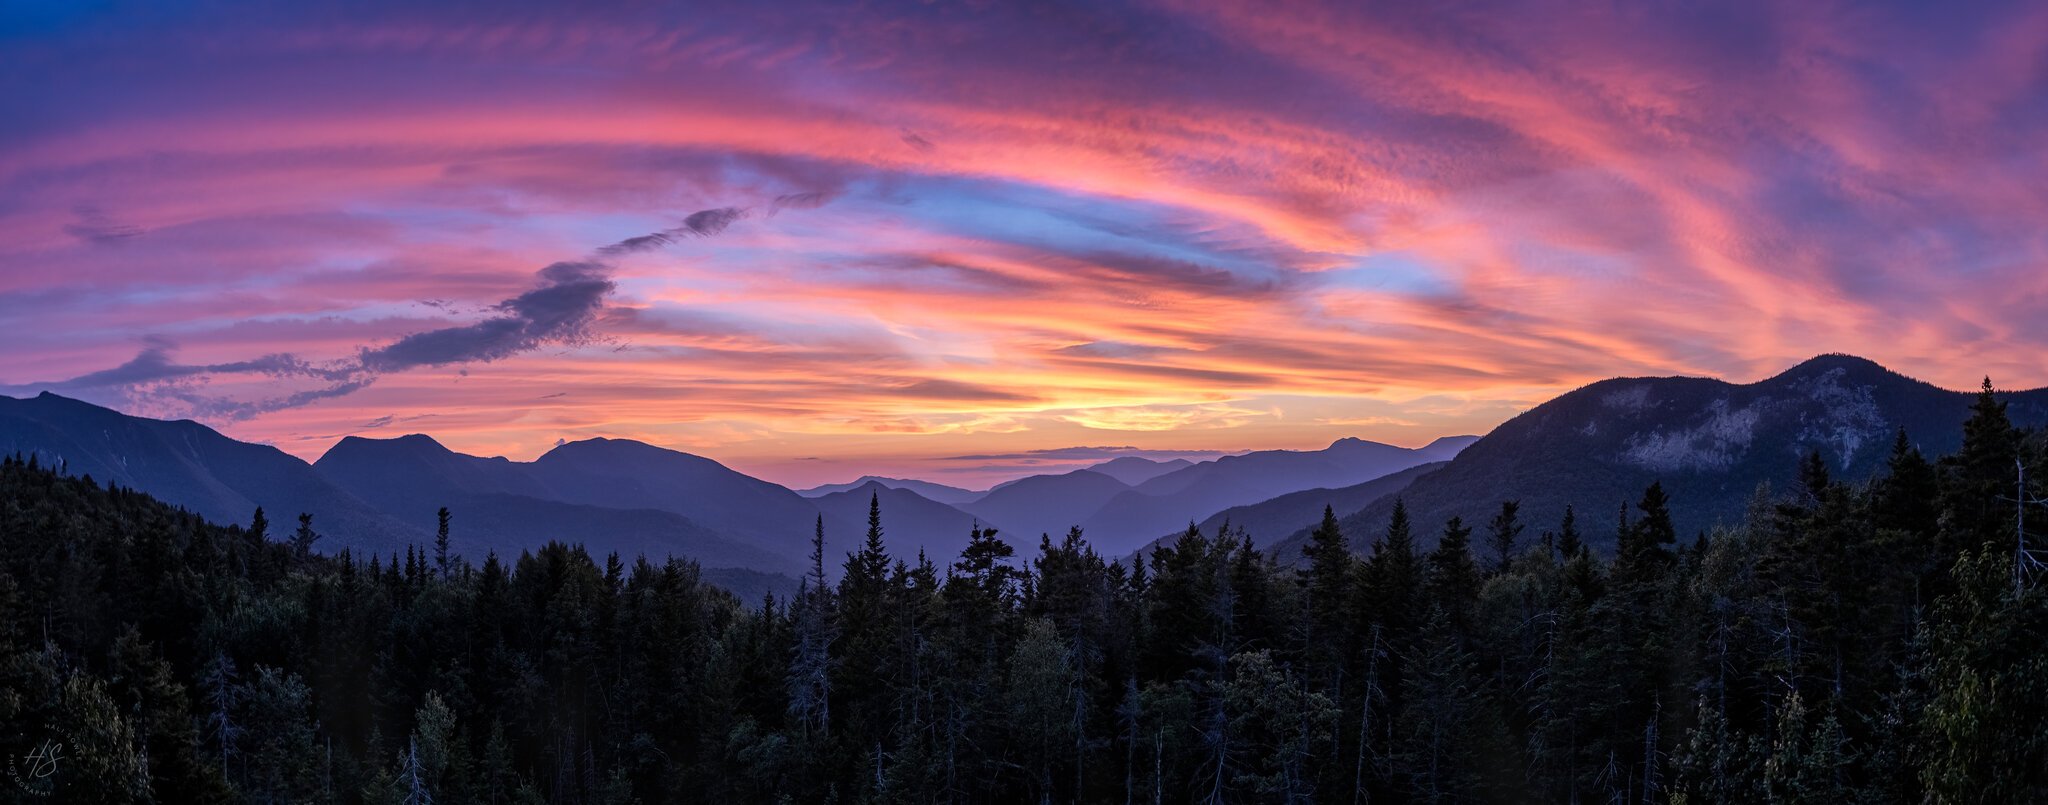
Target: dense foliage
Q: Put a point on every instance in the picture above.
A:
(1849, 642)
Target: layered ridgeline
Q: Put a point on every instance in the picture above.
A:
(634, 499)
(1709, 442)
(381, 496)
(1120, 516)
(508, 506)
(949, 495)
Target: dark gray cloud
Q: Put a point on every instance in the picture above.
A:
(706, 223)
(154, 364)
(94, 226)
(917, 141)
(560, 311)
(800, 201)
(636, 245)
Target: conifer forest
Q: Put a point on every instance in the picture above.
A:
(1878, 641)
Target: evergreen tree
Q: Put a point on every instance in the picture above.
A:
(304, 537)
(1326, 590)
(1990, 683)
(1569, 544)
(1393, 581)
(1502, 533)
(1452, 583)
(1977, 476)
(444, 562)
(1643, 553)
(814, 625)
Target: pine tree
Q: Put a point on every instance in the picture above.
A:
(1990, 682)
(1976, 476)
(1452, 582)
(443, 560)
(1905, 510)
(1326, 588)
(1643, 553)
(304, 537)
(1502, 534)
(1393, 581)
(223, 699)
(1569, 543)
(861, 663)
(815, 626)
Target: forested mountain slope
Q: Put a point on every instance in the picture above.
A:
(1709, 442)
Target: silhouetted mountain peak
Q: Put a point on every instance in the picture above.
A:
(1136, 470)
(949, 495)
(1452, 443)
(1833, 361)
(412, 442)
(602, 449)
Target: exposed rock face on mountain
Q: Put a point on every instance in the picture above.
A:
(188, 464)
(1709, 442)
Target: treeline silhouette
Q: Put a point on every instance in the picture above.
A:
(1850, 642)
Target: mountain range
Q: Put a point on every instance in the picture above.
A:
(378, 495)
(1710, 442)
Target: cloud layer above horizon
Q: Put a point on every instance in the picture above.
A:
(818, 240)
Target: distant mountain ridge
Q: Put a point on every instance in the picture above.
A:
(1271, 521)
(1134, 470)
(1169, 502)
(1276, 520)
(908, 519)
(949, 495)
(379, 495)
(504, 505)
(1046, 504)
(1708, 441)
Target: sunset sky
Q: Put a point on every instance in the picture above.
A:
(964, 241)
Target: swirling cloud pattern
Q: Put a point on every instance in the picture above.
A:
(822, 239)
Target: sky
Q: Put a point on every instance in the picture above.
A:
(967, 241)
